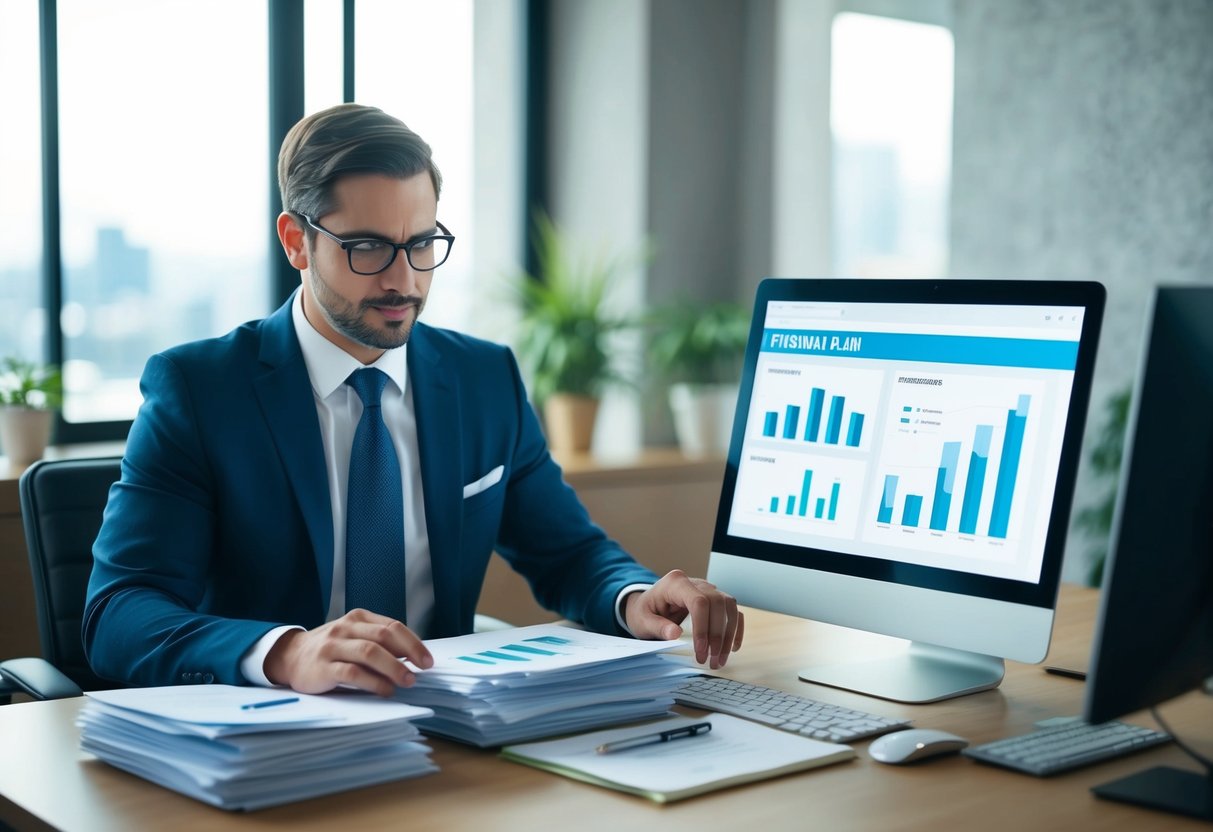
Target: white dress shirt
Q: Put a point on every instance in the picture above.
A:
(339, 409)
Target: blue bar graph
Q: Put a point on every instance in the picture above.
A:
(790, 420)
(855, 430)
(976, 480)
(834, 426)
(945, 484)
(804, 493)
(798, 504)
(813, 426)
(818, 425)
(1008, 468)
(913, 507)
(885, 515)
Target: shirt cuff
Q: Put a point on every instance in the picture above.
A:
(624, 593)
(252, 663)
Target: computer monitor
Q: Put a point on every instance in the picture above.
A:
(902, 461)
(1154, 639)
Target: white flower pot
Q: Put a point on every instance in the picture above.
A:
(703, 417)
(24, 434)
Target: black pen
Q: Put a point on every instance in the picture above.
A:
(652, 739)
(269, 703)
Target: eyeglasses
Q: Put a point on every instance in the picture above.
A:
(368, 255)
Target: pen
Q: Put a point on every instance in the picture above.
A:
(269, 703)
(652, 739)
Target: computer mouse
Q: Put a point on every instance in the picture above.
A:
(914, 745)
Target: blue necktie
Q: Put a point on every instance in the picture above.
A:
(374, 509)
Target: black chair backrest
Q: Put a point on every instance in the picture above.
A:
(62, 502)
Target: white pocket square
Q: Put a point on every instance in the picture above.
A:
(487, 481)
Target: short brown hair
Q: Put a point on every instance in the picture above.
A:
(346, 139)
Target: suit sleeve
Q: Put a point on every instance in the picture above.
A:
(152, 558)
(547, 535)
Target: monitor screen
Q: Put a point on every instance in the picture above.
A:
(1154, 637)
(902, 461)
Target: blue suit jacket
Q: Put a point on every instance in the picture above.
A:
(221, 529)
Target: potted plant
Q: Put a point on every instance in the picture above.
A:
(28, 395)
(565, 329)
(699, 349)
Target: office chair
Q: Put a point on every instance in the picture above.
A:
(62, 502)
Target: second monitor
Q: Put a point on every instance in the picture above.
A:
(903, 461)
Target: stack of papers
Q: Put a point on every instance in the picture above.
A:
(492, 688)
(733, 751)
(249, 748)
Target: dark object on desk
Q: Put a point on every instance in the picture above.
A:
(1053, 750)
(1080, 675)
(685, 732)
(914, 745)
(785, 711)
(61, 506)
(1154, 637)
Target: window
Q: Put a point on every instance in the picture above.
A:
(164, 171)
(891, 118)
(22, 312)
(163, 114)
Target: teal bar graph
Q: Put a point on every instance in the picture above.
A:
(768, 427)
(1008, 468)
(855, 430)
(804, 493)
(798, 504)
(813, 426)
(976, 480)
(834, 426)
(911, 510)
(945, 484)
(885, 514)
(790, 420)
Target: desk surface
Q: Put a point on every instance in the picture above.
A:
(47, 782)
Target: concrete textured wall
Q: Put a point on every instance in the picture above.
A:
(1083, 149)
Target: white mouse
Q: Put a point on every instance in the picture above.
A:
(913, 745)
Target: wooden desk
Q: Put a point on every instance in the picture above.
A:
(46, 782)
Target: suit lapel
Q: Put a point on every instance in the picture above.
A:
(284, 392)
(439, 424)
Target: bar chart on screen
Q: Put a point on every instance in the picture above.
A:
(951, 461)
(814, 406)
(801, 493)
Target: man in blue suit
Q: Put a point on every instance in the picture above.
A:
(306, 498)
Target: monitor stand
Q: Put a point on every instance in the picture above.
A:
(924, 673)
(1167, 789)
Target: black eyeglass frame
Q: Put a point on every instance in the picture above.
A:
(347, 246)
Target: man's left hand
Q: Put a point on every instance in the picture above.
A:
(717, 626)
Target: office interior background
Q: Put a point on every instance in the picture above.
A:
(730, 139)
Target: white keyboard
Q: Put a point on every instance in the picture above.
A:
(785, 711)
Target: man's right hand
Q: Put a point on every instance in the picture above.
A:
(360, 649)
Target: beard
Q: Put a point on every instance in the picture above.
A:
(350, 319)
